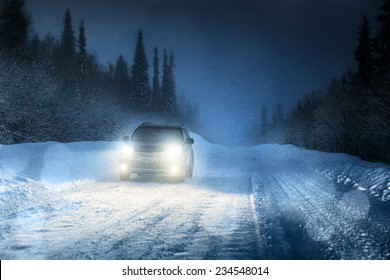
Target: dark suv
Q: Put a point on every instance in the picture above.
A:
(157, 149)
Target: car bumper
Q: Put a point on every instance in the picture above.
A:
(153, 165)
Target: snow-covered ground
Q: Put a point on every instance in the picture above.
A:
(64, 201)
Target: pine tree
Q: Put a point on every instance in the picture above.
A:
(68, 40)
(165, 84)
(173, 98)
(82, 55)
(156, 95)
(48, 48)
(168, 86)
(14, 27)
(364, 56)
(156, 79)
(140, 76)
(66, 56)
(383, 39)
(122, 81)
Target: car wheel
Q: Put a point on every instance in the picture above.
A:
(124, 175)
(180, 179)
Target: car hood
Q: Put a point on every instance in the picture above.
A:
(150, 147)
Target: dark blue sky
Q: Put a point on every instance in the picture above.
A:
(231, 55)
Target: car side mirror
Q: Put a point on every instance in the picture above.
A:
(190, 141)
(126, 138)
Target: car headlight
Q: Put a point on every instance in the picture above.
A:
(127, 150)
(123, 167)
(173, 152)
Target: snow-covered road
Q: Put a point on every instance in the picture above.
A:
(64, 201)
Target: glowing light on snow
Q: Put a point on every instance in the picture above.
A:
(58, 161)
(225, 213)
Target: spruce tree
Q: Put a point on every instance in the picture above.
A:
(172, 65)
(122, 82)
(364, 56)
(66, 56)
(49, 47)
(140, 76)
(165, 84)
(68, 40)
(156, 98)
(82, 55)
(14, 27)
(168, 86)
(383, 39)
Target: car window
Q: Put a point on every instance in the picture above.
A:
(186, 134)
(157, 134)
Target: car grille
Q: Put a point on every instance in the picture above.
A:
(148, 160)
(148, 149)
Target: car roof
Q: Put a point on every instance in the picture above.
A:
(167, 126)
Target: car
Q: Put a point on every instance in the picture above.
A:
(156, 149)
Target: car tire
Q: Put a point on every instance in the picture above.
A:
(124, 176)
(180, 179)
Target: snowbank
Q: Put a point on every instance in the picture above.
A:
(53, 196)
(346, 170)
(54, 162)
(28, 172)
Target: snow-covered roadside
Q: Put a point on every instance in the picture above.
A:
(350, 171)
(65, 201)
(77, 209)
(325, 200)
(30, 173)
(33, 174)
(52, 163)
(33, 178)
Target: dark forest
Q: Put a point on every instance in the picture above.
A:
(351, 115)
(52, 89)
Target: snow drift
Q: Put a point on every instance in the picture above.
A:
(65, 201)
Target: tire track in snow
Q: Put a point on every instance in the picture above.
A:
(305, 211)
(96, 234)
(209, 218)
(270, 204)
(340, 223)
(256, 218)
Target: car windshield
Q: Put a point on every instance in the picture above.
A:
(157, 134)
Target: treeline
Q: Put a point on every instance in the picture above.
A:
(54, 89)
(352, 114)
